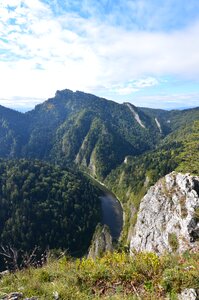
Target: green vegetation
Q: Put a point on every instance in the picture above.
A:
(44, 206)
(13, 132)
(196, 214)
(178, 151)
(114, 276)
(173, 241)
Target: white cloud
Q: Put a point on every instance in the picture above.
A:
(165, 101)
(19, 103)
(146, 82)
(133, 86)
(44, 53)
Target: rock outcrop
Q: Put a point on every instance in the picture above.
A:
(101, 243)
(12, 296)
(168, 218)
(189, 294)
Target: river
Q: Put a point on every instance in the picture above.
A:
(112, 211)
(112, 214)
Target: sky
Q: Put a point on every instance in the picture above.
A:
(142, 51)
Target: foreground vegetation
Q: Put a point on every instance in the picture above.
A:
(114, 276)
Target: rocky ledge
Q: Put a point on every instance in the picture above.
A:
(168, 218)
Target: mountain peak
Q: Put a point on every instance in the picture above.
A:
(63, 92)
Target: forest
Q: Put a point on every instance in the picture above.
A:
(46, 207)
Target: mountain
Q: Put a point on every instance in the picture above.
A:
(13, 132)
(127, 147)
(94, 133)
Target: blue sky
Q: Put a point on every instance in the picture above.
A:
(142, 51)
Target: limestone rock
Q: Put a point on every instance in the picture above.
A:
(4, 273)
(12, 296)
(101, 243)
(188, 294)
(16, 296)
(168, 218)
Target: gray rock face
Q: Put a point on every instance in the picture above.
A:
(168, 218)
(13, 296)
(188, 294)
(101, 243)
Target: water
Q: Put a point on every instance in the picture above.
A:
(112, 211)
(112, 214)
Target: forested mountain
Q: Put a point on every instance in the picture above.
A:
(178, 151)
(94, 133)
(13, 132)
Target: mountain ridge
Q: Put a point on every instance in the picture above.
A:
(92, 132)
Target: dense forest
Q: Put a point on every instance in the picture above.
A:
(46, 207)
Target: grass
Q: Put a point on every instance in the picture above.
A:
(196, 214)
(184, 212)
(114, 276)
(173, 241)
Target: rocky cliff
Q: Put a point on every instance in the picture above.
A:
(101, 243)
(168, 218)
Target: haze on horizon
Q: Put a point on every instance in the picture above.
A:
(142, 51)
